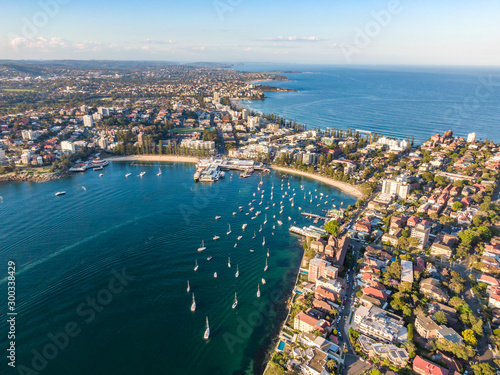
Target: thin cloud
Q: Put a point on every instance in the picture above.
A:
(152, 41)
(293, 39)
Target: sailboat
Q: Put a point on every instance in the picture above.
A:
(254, 235)
(244, 226)
(239, 238)
(229, 230)
(274, 226)
(265, 221)
(217, 217)
(265, 268)
(128, 174)
(202, 247)
(263, 281)
(260, 230)
(215, 274)
(268, 252)
(216, 237)
(258, 290)
(188, 288)
(280, 222)
(159, 172)
(235, 301)
(237, 272)
(228, 262)
(193, 305)
(207, 331)
(263, 241)
(196, 265)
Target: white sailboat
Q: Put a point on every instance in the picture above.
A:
(267, 252)
(142, 174)
(228, 262)
(188, 288)
(265, 221)
(196, 265)
(263, 281)
(128, 174)
(217, 217)
(280, 222)
(193, 305)
(207, 331)
(216, 237)
(263, 241)
(202, 247)
(265, 268)
(254, 235)
(274, 226)
(159, 172)
(215, 274)
(244, 226)
(235, 301)
(260, 229)
(258, 290)
(229, 230)
(239, 238)
(237, 272)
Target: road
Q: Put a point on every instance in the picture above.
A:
(352, 364)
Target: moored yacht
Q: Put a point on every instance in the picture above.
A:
(235, 301)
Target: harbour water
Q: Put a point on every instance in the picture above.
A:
(111, 260)
(395, 101)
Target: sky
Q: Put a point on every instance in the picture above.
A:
(390, 32)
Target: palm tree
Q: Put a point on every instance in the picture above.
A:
(330, 365)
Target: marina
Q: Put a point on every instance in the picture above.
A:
(169, 260)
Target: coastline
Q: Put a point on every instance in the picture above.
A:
(179, 159)
(344, 186)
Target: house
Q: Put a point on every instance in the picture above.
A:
(307, 323)
(325, 294)
(494, 298)
(362, 226)
(391, 239)
(380, 325)
(375, 293)
(412, 221)
(489, 280)
(396, 356)
(407, 271)
(425, 367)
(316, 364)
(426, 327)
(429, 329)
(318, 245)
(432, 288)
(439, 249)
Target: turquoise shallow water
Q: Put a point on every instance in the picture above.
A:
(68, 250)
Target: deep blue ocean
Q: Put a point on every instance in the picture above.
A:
(69, 249)
(394, 101)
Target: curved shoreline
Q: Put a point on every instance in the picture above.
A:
(344, 186)
(179, 159)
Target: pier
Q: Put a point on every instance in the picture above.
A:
(314, 216)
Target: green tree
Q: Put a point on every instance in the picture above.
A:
(483, 368)
(440, 317)
(457, 206)
(470, 337)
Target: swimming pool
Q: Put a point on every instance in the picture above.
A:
(281, 346)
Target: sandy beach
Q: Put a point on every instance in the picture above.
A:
(345, 187)
(179, 159)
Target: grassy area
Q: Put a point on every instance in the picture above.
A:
(186, 130)
(19, 90)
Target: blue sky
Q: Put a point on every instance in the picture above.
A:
(414, 32)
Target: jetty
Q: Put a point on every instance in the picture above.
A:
(314, 216)
(212, 169)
